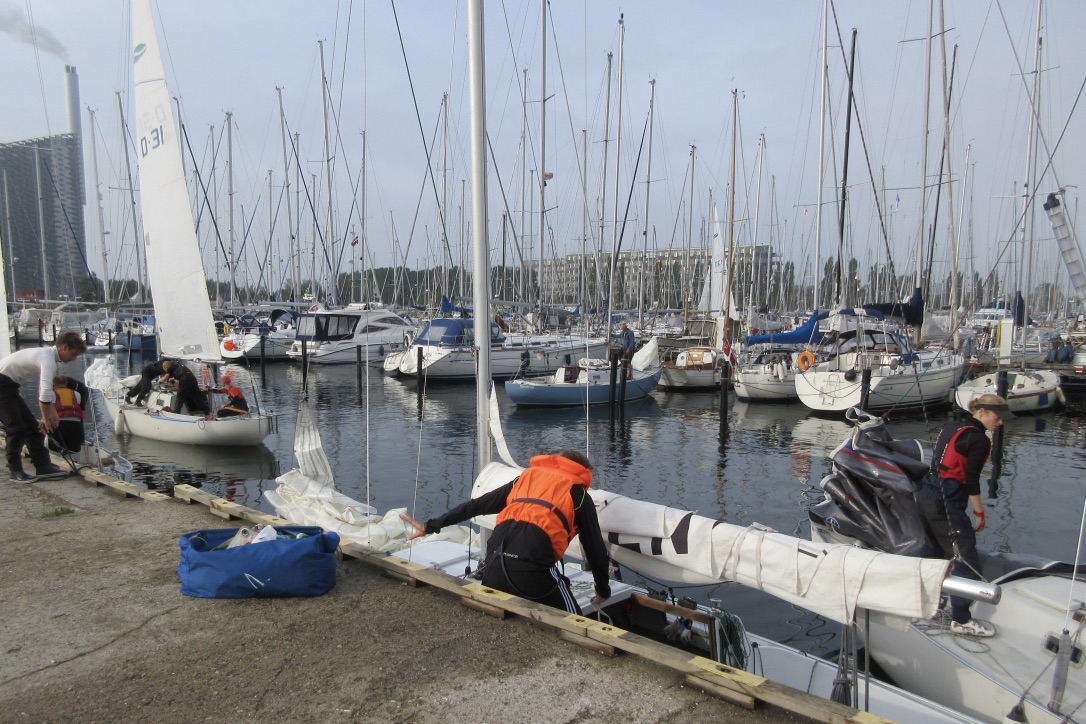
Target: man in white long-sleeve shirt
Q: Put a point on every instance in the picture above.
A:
(20, 426)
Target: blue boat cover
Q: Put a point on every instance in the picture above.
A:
(807, 333)
(297, 567)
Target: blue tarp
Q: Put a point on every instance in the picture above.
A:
(807, 333)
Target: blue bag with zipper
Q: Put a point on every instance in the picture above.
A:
(301, 561)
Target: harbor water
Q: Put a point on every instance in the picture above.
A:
(393, 451)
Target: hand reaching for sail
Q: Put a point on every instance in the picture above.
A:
(420, 528)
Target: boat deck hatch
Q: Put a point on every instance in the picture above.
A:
(1052, 646)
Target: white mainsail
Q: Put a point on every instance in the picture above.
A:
(175, 269)
(716, 275)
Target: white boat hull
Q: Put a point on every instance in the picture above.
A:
(1027, 390)
(765, 383)
(505, 361)
(159, 424)
(238, 346)
(835, 386)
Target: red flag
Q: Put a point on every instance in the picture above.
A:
(354, 242)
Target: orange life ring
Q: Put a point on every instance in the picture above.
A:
(805, 360)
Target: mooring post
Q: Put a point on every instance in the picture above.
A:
(725, 378)
(997, 434)
(358, 363)
(865, 387)
(418, 373)
(109, 340)
(305, 364)
(611, 386)
(263, 343)
(624, 373)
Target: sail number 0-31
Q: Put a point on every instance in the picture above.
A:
(153, 140)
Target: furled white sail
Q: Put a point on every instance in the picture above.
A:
(716, 275)
(176, 271)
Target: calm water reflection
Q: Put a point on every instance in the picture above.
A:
(390, 449)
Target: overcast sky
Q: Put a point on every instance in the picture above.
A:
(226, 55)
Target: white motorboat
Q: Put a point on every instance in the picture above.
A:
(340, 336)
(266, 332)
(1027, 390)
(448, 351)
(176, 271)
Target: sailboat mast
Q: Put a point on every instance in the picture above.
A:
(231, 262)
(542, 158)
(924, 151)
(1028, 208)
(329, 234)
(731, 218)
(291, 239)
(480, 261)
(140, 278)
(824, 67)
(645, 233)
(97, 209)
(618, 155)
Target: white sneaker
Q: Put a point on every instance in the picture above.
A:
(973, 628)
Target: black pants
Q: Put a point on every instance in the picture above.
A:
(945, 505)
(70, 434)
(189, 395)
(142, 389)
(529, 580)
(21, 428)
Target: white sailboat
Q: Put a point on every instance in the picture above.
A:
(901, 378)
(186, 329)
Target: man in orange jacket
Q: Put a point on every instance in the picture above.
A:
(539, 513)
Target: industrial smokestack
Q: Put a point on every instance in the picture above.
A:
(71, 87)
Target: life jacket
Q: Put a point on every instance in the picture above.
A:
(237, 400)
(541, 496)
(67, 407)
(952, 463)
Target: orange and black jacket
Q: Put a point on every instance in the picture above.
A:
(538, 514)
(960, 453)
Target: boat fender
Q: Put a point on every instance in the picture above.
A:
(805, 360)
(1061, 396)
(228, 345)
(850, 375)
(381, 351)
(778, 370)
(119, 427)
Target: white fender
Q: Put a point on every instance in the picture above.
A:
(778, 370)
(118, 427)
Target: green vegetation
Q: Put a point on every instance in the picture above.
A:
(57, 512)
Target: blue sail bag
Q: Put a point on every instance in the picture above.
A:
(287, 566)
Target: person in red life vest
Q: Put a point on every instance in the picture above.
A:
(539, 513)
(954, 485)
(236, 403)
(71, 404)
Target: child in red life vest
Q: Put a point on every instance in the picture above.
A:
(69, 404)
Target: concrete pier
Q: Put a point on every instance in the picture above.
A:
(94, 628)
